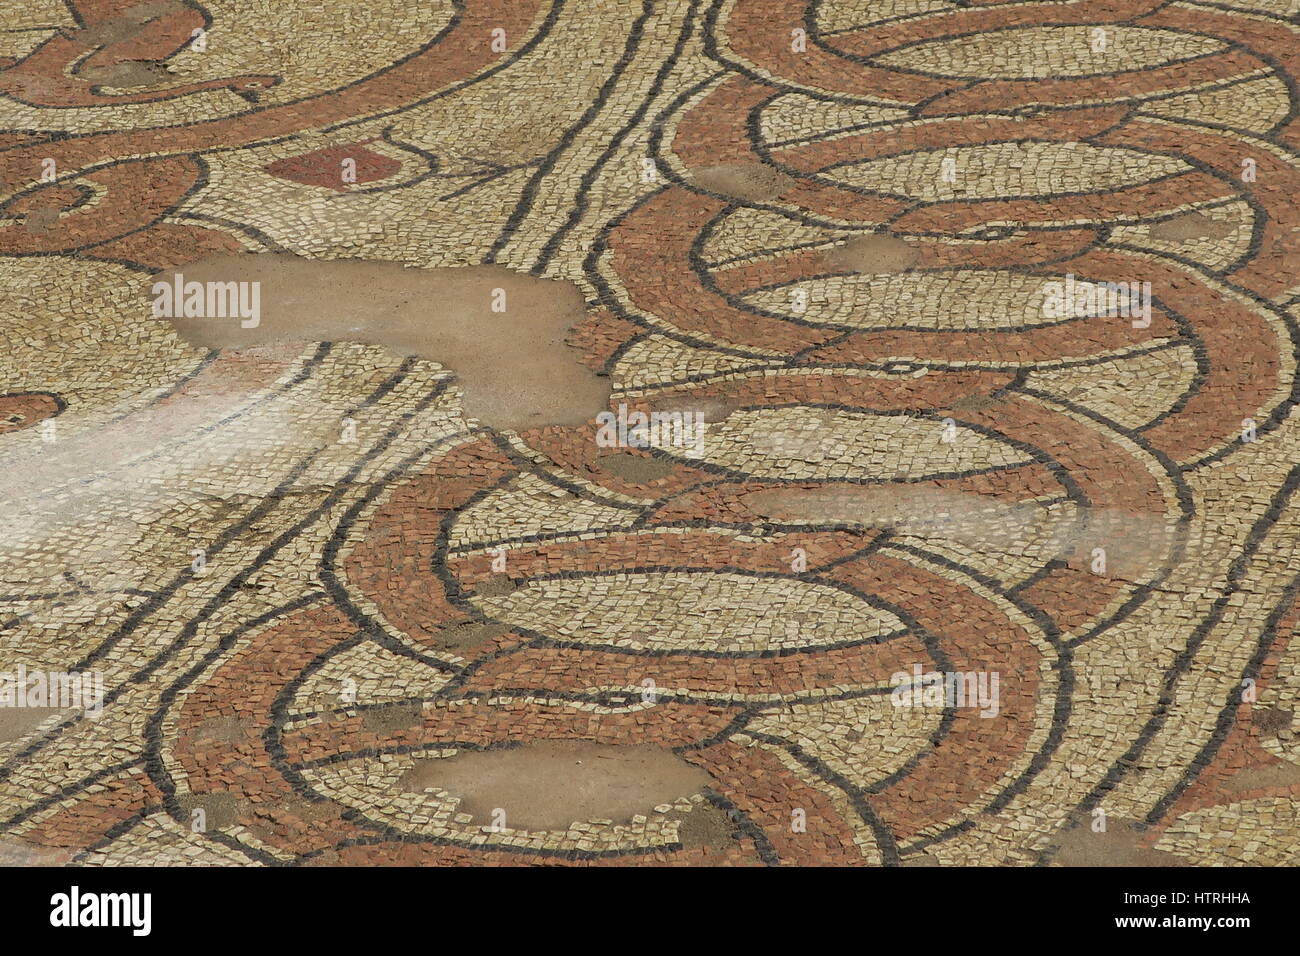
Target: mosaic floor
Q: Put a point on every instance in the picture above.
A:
(971, 325)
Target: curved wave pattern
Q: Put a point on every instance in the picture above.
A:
(979, 527)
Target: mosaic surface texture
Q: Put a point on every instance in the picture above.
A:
(859, 239)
